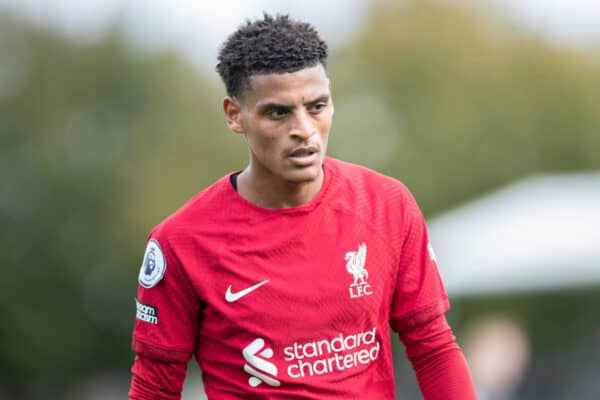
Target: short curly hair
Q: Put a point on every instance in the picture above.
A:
(269, 45)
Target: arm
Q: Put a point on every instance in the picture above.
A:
(417, 314)
(441, 369)
(165, 327)
(156, 380)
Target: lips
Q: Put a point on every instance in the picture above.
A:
(303, 151)
(304, 156)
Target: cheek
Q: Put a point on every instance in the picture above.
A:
(324, 126)
(264, 142)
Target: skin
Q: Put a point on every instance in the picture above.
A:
(285, 119)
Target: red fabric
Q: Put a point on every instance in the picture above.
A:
(284, 339)
(173, 336)
(419, 295)
(156, 380)
(441, 369)
(157, 353)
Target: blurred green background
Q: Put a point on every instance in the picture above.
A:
(99, 141)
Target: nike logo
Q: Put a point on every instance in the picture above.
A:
(231, 297)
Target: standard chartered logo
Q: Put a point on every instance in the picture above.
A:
(307, 359)
(259, 367)
(327, 356)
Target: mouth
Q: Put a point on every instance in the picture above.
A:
(303, 156)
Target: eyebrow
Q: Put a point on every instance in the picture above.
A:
(320, 99)
(285, 107)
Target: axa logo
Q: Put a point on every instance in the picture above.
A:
(257, 366)
(355, 265)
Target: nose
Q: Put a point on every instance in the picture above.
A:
(303, 127)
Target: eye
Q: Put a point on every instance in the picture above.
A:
(318, 107)
(277, 113)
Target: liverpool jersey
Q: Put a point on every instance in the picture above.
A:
(292, 302)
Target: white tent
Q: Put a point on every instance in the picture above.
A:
(542, 232)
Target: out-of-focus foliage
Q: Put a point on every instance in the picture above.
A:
(474, 102)
(98, 143)
(95, 140)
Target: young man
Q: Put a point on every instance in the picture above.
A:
(283, 279)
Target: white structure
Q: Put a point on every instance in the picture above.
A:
(542, 232)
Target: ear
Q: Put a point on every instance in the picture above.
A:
(233, 117)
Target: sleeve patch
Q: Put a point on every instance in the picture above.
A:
(154, 265)
(146, 313)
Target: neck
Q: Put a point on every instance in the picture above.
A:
(273, 193)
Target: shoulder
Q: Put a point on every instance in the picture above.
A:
(367, 183)
(381, 202)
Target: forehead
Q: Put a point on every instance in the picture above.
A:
(288, 87)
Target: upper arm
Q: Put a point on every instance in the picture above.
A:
(167, 308)
(419, 294)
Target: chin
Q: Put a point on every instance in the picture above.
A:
(305, 176)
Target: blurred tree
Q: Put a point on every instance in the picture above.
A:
(92, 138)
(472, 101)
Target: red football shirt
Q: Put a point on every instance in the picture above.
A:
(294, 302)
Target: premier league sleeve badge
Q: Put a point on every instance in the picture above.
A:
(154, 265)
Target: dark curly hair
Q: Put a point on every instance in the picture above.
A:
(269, 45)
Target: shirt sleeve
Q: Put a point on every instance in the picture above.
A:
(167, 308)
(156, 380)
(439, 364)
(419, 294)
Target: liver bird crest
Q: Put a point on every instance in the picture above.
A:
(355, 264)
